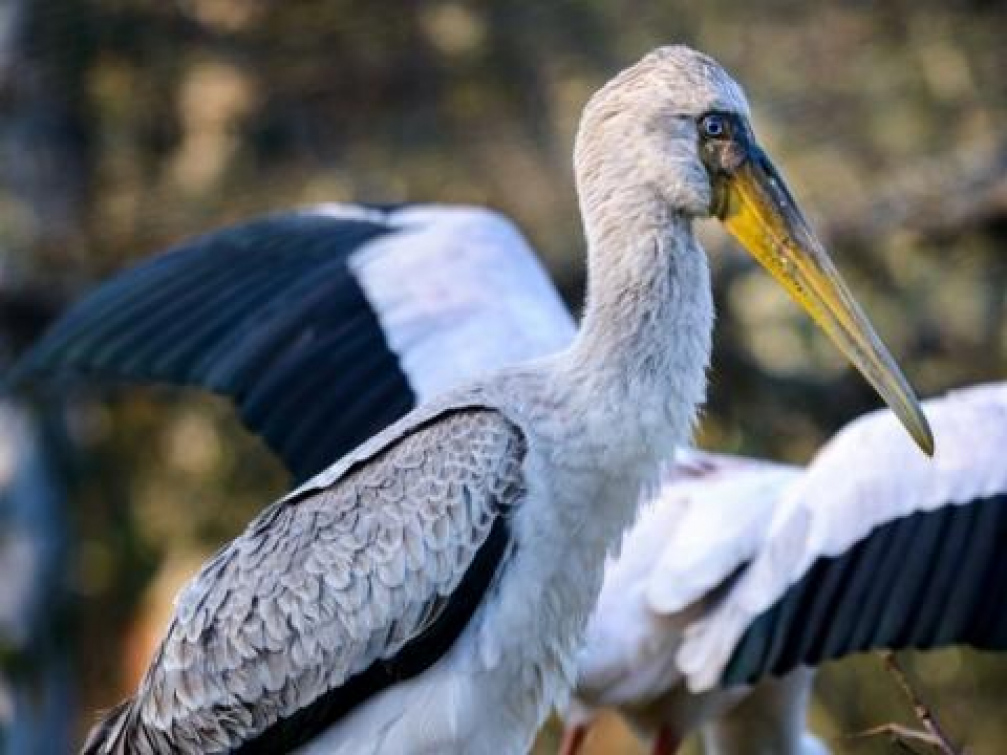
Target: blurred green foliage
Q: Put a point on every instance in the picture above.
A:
(128, 125)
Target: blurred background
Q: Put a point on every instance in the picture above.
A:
(127, 125)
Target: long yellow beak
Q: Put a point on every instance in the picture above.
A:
(761, 214)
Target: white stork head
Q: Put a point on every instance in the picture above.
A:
(643, 128)
(670, 137)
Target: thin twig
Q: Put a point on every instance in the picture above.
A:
(901, 735)
(926, 716)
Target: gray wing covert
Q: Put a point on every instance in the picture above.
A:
(334, 593)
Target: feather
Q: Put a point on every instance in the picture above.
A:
(381, 625)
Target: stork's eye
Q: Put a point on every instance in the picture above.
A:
(713, 126)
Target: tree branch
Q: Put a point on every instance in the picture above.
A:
(935, 735)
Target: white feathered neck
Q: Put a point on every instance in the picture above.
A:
(639, 360)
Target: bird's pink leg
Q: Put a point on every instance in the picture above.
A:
(573, 740)
(666, 743)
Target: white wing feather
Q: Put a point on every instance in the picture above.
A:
(869, 474)
(709, 517)
(459, 292)
(727, 519)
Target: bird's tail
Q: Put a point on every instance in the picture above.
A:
(108, 736)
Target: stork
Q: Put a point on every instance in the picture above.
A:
(430, 295)
(385, 604)
(772, 571)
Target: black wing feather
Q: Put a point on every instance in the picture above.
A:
(267, 313)
(927, 580)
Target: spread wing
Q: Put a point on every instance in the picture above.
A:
(875, 546)
(323, 326)
(333, 593)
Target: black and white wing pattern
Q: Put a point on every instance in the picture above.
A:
(875, 546)
(711, 515)
(323, 326)
(343, 588)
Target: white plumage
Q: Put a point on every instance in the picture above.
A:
(515, 486)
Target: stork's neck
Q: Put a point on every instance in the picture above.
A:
(640, 358)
